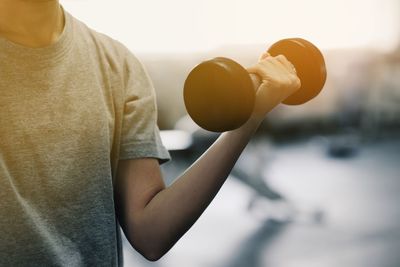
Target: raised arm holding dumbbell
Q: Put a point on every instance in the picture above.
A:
(79, 149)
(154, 220)
(220, 94)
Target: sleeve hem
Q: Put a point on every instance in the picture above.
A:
(144, 149)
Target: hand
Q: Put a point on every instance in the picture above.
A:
(278, 81)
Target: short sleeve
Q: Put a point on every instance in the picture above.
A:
(140, 135)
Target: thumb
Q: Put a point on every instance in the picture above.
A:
(264, 56)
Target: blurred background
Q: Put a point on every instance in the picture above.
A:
(319, 184)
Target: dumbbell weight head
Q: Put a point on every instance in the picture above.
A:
(309, 64)
(219, 95)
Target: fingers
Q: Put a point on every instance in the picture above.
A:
(277, 71)
(267, 66)
(256, 70)
(289, 66)
(281, 59)
(270, 66)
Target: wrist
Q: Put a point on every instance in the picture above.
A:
(256, 118)
(251, 125)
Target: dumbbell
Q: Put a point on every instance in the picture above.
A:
(219, 94)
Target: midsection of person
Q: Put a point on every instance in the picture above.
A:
(57, 127)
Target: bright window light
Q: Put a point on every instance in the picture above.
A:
(193, 25)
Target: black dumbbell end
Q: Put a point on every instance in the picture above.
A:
(219, 95)
(309, 64)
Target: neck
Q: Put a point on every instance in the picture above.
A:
(32, 23)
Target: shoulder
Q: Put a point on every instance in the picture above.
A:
(109, 49)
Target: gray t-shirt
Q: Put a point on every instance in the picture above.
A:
(68, 113)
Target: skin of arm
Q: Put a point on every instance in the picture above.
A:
(154, 217)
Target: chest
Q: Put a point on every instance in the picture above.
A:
(46, 107)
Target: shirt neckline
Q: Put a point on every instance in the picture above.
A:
(38, 55)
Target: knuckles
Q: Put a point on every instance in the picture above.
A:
(281, 57)
(294, 81)
(297, 82)
(279, 78)
(288, 82)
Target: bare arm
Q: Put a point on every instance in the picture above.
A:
(155, 217)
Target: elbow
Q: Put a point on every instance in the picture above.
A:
(152, 249)
(150, 243)
(151, 254)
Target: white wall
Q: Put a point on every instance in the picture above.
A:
(190, 25)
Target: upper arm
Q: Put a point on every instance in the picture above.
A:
(138, 181)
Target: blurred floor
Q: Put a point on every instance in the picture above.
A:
(346, 213)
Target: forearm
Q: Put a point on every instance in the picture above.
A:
(174, 210)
